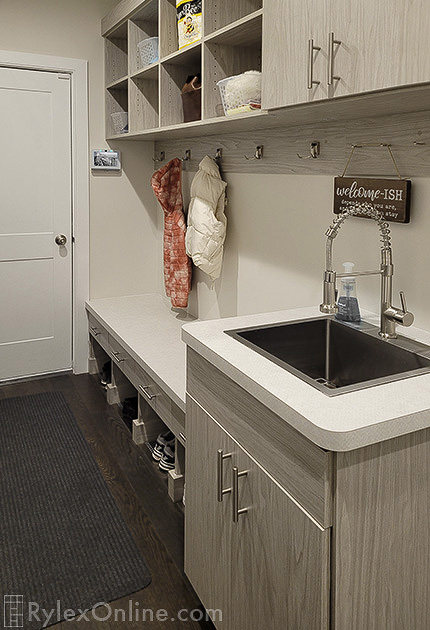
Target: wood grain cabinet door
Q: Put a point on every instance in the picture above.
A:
(288, 27)
(377, 45)
(208, 524)
(266, 567)
(280, 558)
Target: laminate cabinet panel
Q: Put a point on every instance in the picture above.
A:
(270, 569)
(382, 536)
(381, 44)
(293, 460)
(208, 523)
(288, 25)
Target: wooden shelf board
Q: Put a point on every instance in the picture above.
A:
(119, 84)
(185, 55)
(213, 126)
(149, 72)
(246, 32)
(354, 107)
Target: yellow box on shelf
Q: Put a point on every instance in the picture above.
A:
(189, 18)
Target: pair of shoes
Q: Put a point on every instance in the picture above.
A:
(163, 451)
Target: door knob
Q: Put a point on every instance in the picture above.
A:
(61, 239)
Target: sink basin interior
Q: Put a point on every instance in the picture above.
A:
(336, 357)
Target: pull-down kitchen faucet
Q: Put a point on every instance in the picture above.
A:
(389, 314)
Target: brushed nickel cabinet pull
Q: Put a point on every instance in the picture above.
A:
(235, 486)
(116, 356)
(220, 473)
(311, 49)
(332, 42)
(94, 331)
(145, 392)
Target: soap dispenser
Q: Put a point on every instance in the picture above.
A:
(348, 309)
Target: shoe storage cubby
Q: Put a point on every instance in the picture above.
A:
(151, 93)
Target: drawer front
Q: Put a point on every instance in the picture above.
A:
(121, 358)
(99, 333)
(167, 410)
(302, 468)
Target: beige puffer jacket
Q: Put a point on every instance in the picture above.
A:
(207, 223)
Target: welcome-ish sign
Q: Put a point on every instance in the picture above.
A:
(390, 196)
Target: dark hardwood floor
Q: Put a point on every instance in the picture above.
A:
(140, 491)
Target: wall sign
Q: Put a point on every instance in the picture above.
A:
(392, 197)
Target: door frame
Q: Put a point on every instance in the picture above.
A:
(78, 70)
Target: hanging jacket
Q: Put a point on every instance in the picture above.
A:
(207, 223)
(166, 183)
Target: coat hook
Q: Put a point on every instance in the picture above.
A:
(218, 154)
(161, 158)
(187, 156)
(314, 151)
(258, 155)
(419, 144)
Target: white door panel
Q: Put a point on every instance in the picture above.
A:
(35, 206)
(26, 246)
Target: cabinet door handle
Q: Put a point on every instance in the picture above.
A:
(235, 485)
(145, 392)
(94, 331)
(332, 42)
(311, 49)
(220, 473)
(116, 356)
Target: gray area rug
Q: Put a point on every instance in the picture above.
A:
(63, 542)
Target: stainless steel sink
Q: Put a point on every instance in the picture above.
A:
(336, 357)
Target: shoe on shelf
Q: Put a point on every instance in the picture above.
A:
(163, 440)
(167, 462)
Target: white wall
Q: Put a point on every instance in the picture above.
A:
(275, 248)
(122, 260)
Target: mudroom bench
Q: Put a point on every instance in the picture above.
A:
(139, 338)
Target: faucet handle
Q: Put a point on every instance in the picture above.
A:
(400, 316)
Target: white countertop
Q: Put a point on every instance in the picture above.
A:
(150, 330)
(339, 423)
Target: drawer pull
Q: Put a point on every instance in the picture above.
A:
(94, 331)
(183, 436)
(116, 356)
(144, 389)
(219, 474)
(235, 485)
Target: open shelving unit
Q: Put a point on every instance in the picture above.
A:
(231, 44)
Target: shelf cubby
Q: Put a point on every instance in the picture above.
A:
(223, 60)
(142, 25)
(144, 100)
(116, 57)
(173, 75)
(168, 28)
(221, 13)
(116, 101)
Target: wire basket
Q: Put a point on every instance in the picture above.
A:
(148, 50)
(120, 122)
(233, 96)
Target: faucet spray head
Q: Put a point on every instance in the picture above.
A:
(329, 306)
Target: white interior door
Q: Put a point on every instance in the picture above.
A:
(35, 208)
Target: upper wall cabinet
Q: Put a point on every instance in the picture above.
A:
(315, 49)
(294, 59)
